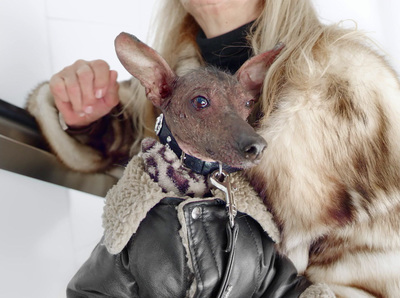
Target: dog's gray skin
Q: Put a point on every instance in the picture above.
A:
(205, 109)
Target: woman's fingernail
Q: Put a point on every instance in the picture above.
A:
(88, 110)
(99, 94)
(81, 114)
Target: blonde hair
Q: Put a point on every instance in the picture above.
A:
(293, 22)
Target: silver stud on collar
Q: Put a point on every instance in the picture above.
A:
(158, 126)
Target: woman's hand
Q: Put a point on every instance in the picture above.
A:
(85, 91)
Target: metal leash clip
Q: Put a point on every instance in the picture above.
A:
(221, 180)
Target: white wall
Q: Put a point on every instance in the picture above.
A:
(377, 18)
(47, 231)
(39, 38)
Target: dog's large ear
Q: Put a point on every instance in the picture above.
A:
(252, 73)
(147, 66)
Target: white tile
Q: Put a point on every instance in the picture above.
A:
(85, 213)
(71, 41)
(391, 26)
(36, 251)
(360, 12)
(86, 29)
(131, 12)
(379, 22)
(24, 49)
(47, 232)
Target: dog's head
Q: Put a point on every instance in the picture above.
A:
(206, 109)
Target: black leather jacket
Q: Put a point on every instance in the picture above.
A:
(180, 250)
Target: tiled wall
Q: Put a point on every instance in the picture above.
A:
(39, 38)
(47, 231)
(379, 19)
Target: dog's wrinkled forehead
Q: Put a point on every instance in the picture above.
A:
(212, 89)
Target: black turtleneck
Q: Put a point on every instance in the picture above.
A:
(228, 51)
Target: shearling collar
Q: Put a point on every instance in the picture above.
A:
(128, 202)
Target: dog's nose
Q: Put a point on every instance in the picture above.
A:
(252, 147)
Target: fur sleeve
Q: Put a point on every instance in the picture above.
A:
(318, 291)
(76, 151)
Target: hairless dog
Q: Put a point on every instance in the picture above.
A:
(205, 109)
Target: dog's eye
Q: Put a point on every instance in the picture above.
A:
(249, 104)
(200, 102)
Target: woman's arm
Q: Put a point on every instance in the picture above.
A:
(100, 144)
